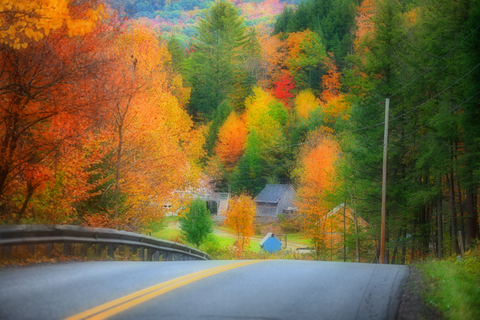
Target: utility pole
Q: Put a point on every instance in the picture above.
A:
(344, 234)
(384, 184)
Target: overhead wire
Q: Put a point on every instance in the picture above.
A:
(372, 147)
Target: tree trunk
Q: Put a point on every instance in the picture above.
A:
(476, 231)
(396, 246)
(470, 221)
(30, 190)
(453, 214)
(386, 259)
(117, 172)
(440, 220)
(404, 247)
(460, 203)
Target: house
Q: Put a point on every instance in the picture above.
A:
(270, 243)
(335, 224)
(274, 199)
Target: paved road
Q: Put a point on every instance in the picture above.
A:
(276, 289)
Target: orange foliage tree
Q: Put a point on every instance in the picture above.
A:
(274, 54)
(365, 26)
(333, 102)
(316, 176)
(156, 147)
(50, 99)
(231, 140)
(240, 217)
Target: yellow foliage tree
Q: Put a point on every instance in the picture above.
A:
(240, 217)
(261, 117)
(305, 102)
(24, 20)
(157, 149)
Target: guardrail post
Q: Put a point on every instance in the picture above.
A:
(177, 257)
(111, 250)
(149, 254)
(156, 256)
(141, 254)
(31, 249)
(167, 256)
(163, 255)
(7, 251)
(100, 247)
(67, 249)
(85, 248)
(49, 250)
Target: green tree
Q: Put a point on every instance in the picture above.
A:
(196, 226)
(222, 35)
(178, 53)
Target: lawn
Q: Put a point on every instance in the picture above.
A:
(298, 238)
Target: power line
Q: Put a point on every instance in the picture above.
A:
(439, 117)
(438, 61)
(363, 149)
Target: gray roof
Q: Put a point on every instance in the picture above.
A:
(272, 193)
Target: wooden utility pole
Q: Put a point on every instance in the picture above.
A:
(344, 233)
(384, 184)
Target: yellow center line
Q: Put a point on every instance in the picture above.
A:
(118, 305)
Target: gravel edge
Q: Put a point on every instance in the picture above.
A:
(412, 305)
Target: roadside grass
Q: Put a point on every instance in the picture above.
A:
(453, 287)
(167, 234)
(221, 247)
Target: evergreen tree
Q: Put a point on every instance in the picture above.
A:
(222, 36)
(196, 226)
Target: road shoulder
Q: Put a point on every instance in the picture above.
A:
(412, 305)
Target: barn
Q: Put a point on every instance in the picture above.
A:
(274, 199)
(270, 243)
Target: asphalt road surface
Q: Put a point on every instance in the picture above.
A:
(273, 289)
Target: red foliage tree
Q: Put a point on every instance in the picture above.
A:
(283, 89)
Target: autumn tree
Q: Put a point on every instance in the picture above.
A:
(316, 176)
(306, 52)
(265, 120)
(240, 218)
(26, 21)
(150, 129)
(231, 140)
(196, 225)
(52, 79)
(305, 103)
(274, 54)
(333, 20)
(283, 89)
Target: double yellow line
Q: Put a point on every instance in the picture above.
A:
(116, 306)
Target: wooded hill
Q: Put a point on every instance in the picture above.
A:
(106, 112)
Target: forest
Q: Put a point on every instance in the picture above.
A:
(110, 107)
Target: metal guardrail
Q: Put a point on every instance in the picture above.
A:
(30, 235)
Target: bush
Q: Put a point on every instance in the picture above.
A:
(454, 285)
(213, 248)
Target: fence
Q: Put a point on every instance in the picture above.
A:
(30, 235)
